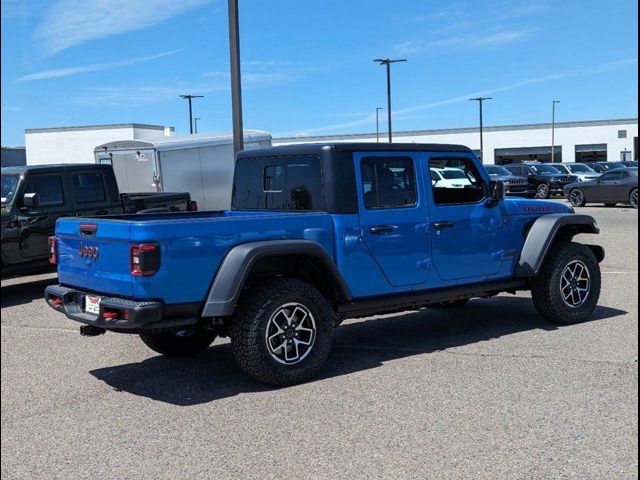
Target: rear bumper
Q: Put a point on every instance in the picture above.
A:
(120, 313)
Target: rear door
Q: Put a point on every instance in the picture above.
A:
(38, 223)
(467, 234)
(92, 193)
(393, 219)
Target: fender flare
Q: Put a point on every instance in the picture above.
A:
(237, 264)
(544, 232)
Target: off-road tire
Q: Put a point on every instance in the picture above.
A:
(179, 344)
(251, 320)
(547, 297)
(543, 191)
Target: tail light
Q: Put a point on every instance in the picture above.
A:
(53, 250)
(144, 259)
(192, 206)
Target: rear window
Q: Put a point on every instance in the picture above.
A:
(89, 187)
(278, 183)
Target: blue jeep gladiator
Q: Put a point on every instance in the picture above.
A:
(316, 234)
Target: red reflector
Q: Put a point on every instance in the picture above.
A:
(110, 315)
(53, 250)
(144, 259)
(55, 301)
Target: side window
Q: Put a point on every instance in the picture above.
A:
(611, 176)
(48, 187)
(388, 182)
(88, 187)
(461, 182)
(278, 183)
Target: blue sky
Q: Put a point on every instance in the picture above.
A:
(307, 65)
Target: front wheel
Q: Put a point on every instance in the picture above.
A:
(179, 344)
(567, 289)
(543, 191)
(577, 198)
(633, 198)
(282, 331)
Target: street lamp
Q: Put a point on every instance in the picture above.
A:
(480, 101)
(553, 131)
(189, 98)
(195, 123)
(236, 82)
(387, 62)
(378, 123)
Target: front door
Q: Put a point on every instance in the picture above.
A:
(607, 188)
(466, 232)
(393, 219)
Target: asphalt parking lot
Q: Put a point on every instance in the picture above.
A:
(486, 391)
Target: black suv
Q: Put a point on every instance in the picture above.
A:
(515, 185)
(546, 179)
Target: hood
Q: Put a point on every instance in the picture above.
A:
(525, 206)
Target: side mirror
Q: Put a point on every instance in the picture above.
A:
(498, 193)
(31, 200)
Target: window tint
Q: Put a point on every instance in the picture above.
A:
(515, 170)
(610, 176)
(278, 183)
(462, 182)
(88, 187)
(388, 182)
(48, 187)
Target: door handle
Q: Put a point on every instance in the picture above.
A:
(443, 225)
(382, 229)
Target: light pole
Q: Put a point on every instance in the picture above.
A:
(378, 124)
(481, 101)
(553, 131)
(195, 123)
(189, 98)
(387, 62)
(236, 81)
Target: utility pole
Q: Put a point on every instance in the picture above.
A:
(553, 131)
(195, 123)
(481, 101)
(189, 98)
(378, 124)
(387, 62)
(236, 79)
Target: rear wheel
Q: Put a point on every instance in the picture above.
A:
(282, 332)
(633, 198)
(568, 288)
(543, 191)
(179, 344)
(577, 198)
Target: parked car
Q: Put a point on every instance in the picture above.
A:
(514, 185)
(601, 167)
(546, 179)
(317, 234)
(630, 164)
(615, 186)
(580, 170)
(34, 197)
(449, 177)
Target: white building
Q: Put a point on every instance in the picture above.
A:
(596, 140)
(76, 144)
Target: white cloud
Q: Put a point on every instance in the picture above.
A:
(73, 22)
(96, 67)
(463, 42)
(413, 110)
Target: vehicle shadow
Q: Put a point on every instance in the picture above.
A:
(358, 346)
(25, 292)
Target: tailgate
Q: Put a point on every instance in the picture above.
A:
(93, 255)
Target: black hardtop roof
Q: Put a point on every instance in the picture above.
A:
(52, 167)
(320, 148)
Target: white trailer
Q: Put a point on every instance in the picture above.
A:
(200, 164)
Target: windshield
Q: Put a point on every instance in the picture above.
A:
(495, 171)
(580, 168)
(612, 165)
(452, 174)
(549, 169)
(9, 187)
(562, 168)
